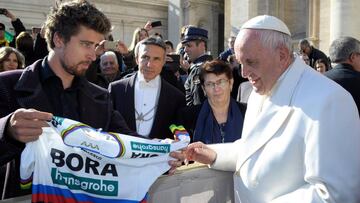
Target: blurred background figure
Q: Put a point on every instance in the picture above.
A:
(138, 35)
(11, 59)
(169, 47)
(219, 118)
(345, 52)
(305, 58)
(230, 51)
(17, 25)
(3, 41)
(172, 71)
(104, 70)
(313, 53)
(110, 70)
(25, 44)
(236, 71)
(322, 65)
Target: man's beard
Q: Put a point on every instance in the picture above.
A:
(74, 70)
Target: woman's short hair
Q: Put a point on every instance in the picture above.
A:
(5, 53)
(216, 67)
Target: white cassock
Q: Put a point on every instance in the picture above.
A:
(300, 144)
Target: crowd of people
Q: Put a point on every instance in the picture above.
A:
(272, 115)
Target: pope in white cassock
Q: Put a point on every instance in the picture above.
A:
(301, 136)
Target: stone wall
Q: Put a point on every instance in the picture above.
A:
(320, 21)
(127, 15)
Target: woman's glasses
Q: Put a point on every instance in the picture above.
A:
(220, 83)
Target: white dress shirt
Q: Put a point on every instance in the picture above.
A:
(146, 100)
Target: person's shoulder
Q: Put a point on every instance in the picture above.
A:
(342, 71)
(334, 73)
(122, 81)
(11, 74)
(10, 77)
(121, 86)
(95, 89)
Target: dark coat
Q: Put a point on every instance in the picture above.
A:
(315, 55)
(170, 101)
(22, 89)
(348, 78)
(193, 92)
(188, 116)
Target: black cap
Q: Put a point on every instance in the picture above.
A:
(194, 33)
(2, 26)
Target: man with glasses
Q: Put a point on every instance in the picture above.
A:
(345, 52)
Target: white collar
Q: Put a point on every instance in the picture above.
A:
(154, 83)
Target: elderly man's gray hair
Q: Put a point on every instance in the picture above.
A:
(273, 39)
(109, 53)
(341, 49)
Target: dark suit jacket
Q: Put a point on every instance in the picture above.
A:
(187, 116)
(22, 89)
(170, 101)
(348, 78)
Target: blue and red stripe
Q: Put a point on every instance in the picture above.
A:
(44, 193)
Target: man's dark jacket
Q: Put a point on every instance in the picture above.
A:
(194, 94)
(345, 75)
(22, 89)
(315, 55)
(170, 101)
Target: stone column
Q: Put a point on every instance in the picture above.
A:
(314, 15)
(175, 21)
(237, 12)
(203, 14)
(345, 19)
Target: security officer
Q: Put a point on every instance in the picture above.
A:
(195, 43)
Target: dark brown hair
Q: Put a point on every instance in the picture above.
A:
(5, 53)
(69, 16)
(216, 67)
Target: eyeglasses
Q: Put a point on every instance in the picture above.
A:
(220, 83)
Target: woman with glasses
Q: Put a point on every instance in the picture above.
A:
(219, 118)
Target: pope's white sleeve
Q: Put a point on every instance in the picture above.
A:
(226, 156)
(332, 155)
